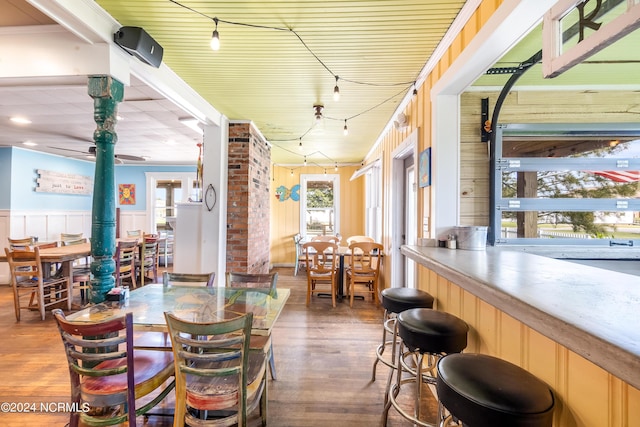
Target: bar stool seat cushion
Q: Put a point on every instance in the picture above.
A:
(484, 391)
(397, 300)
(432, 331)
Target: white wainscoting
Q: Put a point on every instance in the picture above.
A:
(47, 226)
(133, 220)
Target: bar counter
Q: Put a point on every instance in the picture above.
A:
(592, 312)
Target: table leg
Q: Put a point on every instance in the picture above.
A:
(341, 278)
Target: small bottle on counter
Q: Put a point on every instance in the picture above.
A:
(451, 241)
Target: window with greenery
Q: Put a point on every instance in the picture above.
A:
(567, 183)
(319, 207)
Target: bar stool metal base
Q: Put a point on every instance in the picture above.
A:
(426, 336)
(394, 301)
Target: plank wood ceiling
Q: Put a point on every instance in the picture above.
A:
(270, 77)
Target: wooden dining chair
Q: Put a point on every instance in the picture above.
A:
(148, 261)
(354, 239)
(365, 261)
(111, 382)
(188, 279)
(125, 258)
(218, 378)
(321, 258)
(301, 262)
(328, 238)
(22, 243)
(266, 283)
(132, 234)
(81, 271)
(31, 290)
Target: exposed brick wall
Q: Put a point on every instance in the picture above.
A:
(248, 220)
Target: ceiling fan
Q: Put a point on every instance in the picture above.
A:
(92, 152)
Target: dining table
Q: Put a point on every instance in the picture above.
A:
(194, 303)
(63, 255)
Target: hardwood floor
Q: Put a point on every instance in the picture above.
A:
(323, 359)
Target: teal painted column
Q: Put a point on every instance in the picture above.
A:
(106, 93)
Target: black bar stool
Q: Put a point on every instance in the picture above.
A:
(423, 332)
(394, 301)
(484, 391)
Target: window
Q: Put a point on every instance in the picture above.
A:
(319, 204)
(373, 194)
(567, 184)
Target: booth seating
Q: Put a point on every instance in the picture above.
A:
(478, 390)
(394, 301)
(424, 333)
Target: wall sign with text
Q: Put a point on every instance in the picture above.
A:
(63, 183)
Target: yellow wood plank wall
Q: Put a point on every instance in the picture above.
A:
(586, 395)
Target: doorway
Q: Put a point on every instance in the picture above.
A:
(164, 190)
(403, 215)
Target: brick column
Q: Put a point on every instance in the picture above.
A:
(248, 199)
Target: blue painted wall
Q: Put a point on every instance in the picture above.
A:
(5, 176)
(25, 163)
(18, 166)
(126, 174)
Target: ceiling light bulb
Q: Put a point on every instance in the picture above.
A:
(305, 160)
(291, 172)
(215, 38)
(300, 145)
(20, 120)
(336, 168)
(346, 130)
(336, 91)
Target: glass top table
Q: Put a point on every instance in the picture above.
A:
(198, 304)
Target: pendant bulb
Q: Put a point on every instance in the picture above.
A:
(345, 130)
(336, 91)
(215, 38)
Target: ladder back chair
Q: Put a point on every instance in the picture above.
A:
(149, 260)
(300, 260)
(81, 271)
(23, 243)
(354, 239)
(321, 258)
(106, 372)
(365, 261)
(219, 381)
(267, 283)
(125, 258)
(189, 279)
(31, 290)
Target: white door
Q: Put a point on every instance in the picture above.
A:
(401, 213)
(410, 223)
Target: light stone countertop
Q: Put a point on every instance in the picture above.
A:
(591, 311)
